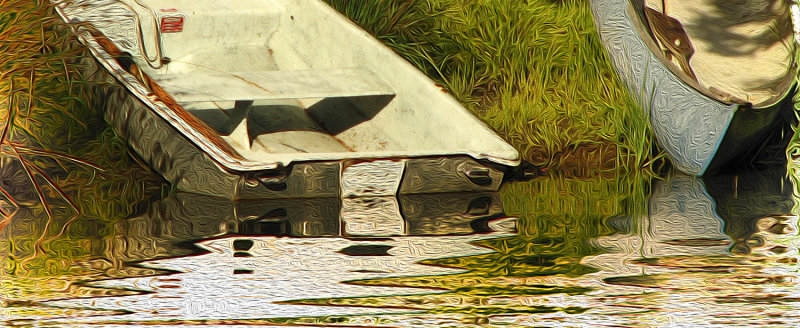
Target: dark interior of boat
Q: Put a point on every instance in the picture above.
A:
(328, 116)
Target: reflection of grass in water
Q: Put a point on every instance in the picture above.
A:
(557, 219)
(793, 156)
(793, 149)
(535, 71)
(65, 173)
(41, 262)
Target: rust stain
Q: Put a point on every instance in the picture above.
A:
(252, 83)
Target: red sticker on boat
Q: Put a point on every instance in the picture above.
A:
(171, 24)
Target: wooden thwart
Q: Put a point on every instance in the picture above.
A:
(268, 85)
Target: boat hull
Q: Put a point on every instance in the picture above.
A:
(190, 169)
(753, 135)
(699, 133)
(454, 152)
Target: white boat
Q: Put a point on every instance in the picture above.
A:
(716, 77)
(263, 98)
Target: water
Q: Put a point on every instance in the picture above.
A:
(608, 252)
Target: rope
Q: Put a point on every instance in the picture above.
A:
(155, 62)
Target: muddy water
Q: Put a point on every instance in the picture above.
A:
(625, 252)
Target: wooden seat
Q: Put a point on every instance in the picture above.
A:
(246, 87)
(269, 85)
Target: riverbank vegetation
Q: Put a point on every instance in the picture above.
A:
(534, 70)
(54, 147)
(64, 174)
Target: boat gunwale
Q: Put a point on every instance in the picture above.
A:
(233, 161)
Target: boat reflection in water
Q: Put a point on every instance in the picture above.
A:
(248, 259)
(710, 216)
(711, 251)
(754, 206)
(708, 252)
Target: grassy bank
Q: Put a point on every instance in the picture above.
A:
(534, 70)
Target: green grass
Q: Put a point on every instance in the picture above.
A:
(534, 70)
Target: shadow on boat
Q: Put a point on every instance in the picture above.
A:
(766, 150)
(719, 29)
(329, 116)
(338, 114)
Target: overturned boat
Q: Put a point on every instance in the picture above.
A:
(274, 99)
(716, 77)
